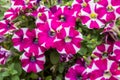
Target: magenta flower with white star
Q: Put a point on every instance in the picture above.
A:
(32, 62)
(103, 69)
(23, 4)
(47, 34)
(18, 38)
(90, 17)
(103, 50)
(32, 44)
(68, 41)
(6, 27)
(116, 51)
(64, 16)
(75, 72)
(109, 9)
(4, 54)
(11, 13)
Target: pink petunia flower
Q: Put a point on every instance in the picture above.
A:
(18, 39)
(90, 17)
(32, 62)
(75, 72)
(116, 51)
(23, 4)
(64, 16)
(103, 69)
(4, 54)
(109, 9)
(103, 50)
(47, 34)
(6, 27)
(11, 13)
(32, 44)
(38, 12)
(68, 41)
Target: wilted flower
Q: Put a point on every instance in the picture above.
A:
(4, 54)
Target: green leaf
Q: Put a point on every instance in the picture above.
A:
(48, 78)
(83, 51)
(13, 72)
(61, 68)
(5, 74)
(15, 77)
(54, 57)
(34, 76)
(18, 68)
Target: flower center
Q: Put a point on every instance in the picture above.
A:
(35, 40)
(84, 4)
(105, 54)
(107, 74)
(68, 39)
(27, 1)
(32, 58)
(8, 25)
(39, 14)
(93, 15)
(79, 77)
(62, 18)
(52, 33)
(110, 8)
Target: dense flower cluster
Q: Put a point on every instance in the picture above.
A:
(55, 28)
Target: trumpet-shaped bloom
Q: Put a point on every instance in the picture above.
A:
(47, 34)
(18, 39)
(76, 71)
(64, 16)
(11, 13)
(103, 69)
(6, 27)
(68, 41)
(109, 9)
(32, 62)
(103, 50)
(90, 17)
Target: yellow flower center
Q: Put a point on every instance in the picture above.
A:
(27, 1)
(68, 39)
(39, 14)
(110, 8)
(107, 74)
(93, 15)
(84, 4)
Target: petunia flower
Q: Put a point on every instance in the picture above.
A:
(18, 39)
(32, 62)
(116, 51)
(6, 27)
(103, 69)
(23, 4)
(68, 41)
(32, 44)
(103, 50)
(4, 54)
(75, 72)
(108, 9)
(64, 16)
(47, 34)
(90, 17)
(12, 14)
